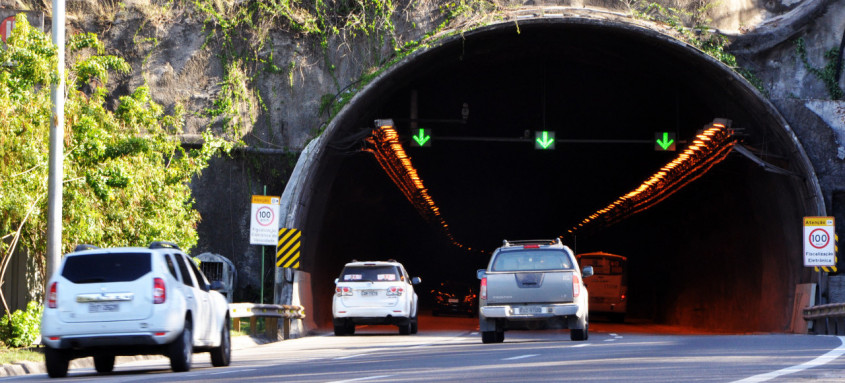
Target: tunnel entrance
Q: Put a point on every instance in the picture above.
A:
(723, 253)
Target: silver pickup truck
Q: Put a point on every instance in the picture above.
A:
(530, 285)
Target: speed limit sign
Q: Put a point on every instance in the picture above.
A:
(264, 223)
(819, 243)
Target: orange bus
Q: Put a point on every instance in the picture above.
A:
(608, 287)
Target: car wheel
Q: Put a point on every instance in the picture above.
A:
(222, 356)
(350, 327)
(489, 337)
(340, 329)
(414, 325)
(405, 329)
(500, 336)
(57, 362)
(580, 334)
(181, 350)
(104, 363)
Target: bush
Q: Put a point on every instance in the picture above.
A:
(22, 327)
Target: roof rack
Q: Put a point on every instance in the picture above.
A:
(555, 241)
(164, 245)
(83, 247)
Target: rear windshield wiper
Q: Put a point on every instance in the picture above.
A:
(90, 280)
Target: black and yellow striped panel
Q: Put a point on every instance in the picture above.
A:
(287, 249)
(833, 269)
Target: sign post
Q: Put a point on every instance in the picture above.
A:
(819, 243)
(264, 222)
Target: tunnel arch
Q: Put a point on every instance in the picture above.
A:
(750, 293)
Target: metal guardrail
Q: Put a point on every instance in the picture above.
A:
(827, 319)
(271, 313)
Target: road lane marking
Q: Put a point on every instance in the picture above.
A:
(822, 360)
(521, 357)
(362, 379)
(580, 345)
(350, 356)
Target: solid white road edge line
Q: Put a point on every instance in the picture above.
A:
(824, 359)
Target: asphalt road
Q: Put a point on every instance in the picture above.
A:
(450, 349)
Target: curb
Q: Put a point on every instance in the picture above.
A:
(26, 368)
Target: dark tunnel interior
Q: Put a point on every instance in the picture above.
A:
(721, 254)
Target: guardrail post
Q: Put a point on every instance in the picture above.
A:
(286, 330)
(236, 324)
(253, 325)
(271, 327)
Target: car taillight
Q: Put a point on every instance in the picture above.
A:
(159, 291)
(51, 297)
(576, 286)
(531, 246)
(394, 291)
(343, 291)
(484, 288)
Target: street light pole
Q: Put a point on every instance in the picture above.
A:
(57, 135)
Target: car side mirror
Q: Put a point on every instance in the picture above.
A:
(480, 273)
(416, 280)
(336, 280)
(587, 271)
(217, 285)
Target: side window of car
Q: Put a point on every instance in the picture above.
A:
(202, 282)
(171, 266)
(183, 268)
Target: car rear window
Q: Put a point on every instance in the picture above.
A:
(531, 260)
(114, 267)
(370, 274)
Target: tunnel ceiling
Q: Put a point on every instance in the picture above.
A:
(584, 81)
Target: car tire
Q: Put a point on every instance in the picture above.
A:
(489, 337)
(414, 325)
(181, 350)
(221, 356)
(580, 334)
(104, 363)
(350, 328)
(405, 329)
(340, 329)
(57, 362)
(500, 336)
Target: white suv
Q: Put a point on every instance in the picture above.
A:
(374, 293)
(132, 301)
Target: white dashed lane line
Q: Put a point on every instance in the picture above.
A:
(521, 357)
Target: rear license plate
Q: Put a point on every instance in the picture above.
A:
(369, 293)
(529, 310)
(103, 307)
(453, 301)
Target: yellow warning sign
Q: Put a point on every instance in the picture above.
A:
(287, 249)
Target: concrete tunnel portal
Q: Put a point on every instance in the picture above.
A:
(723, 253)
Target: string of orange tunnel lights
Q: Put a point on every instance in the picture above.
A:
(709, 147)
(385, 146)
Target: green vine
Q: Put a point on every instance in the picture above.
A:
(827, 74)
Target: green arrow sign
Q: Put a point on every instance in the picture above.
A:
(423, 139)
(544, 140)
(664, 141)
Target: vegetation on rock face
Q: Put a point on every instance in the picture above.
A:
(827, 74)
(125, 172)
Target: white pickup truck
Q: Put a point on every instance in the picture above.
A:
(533, 284)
